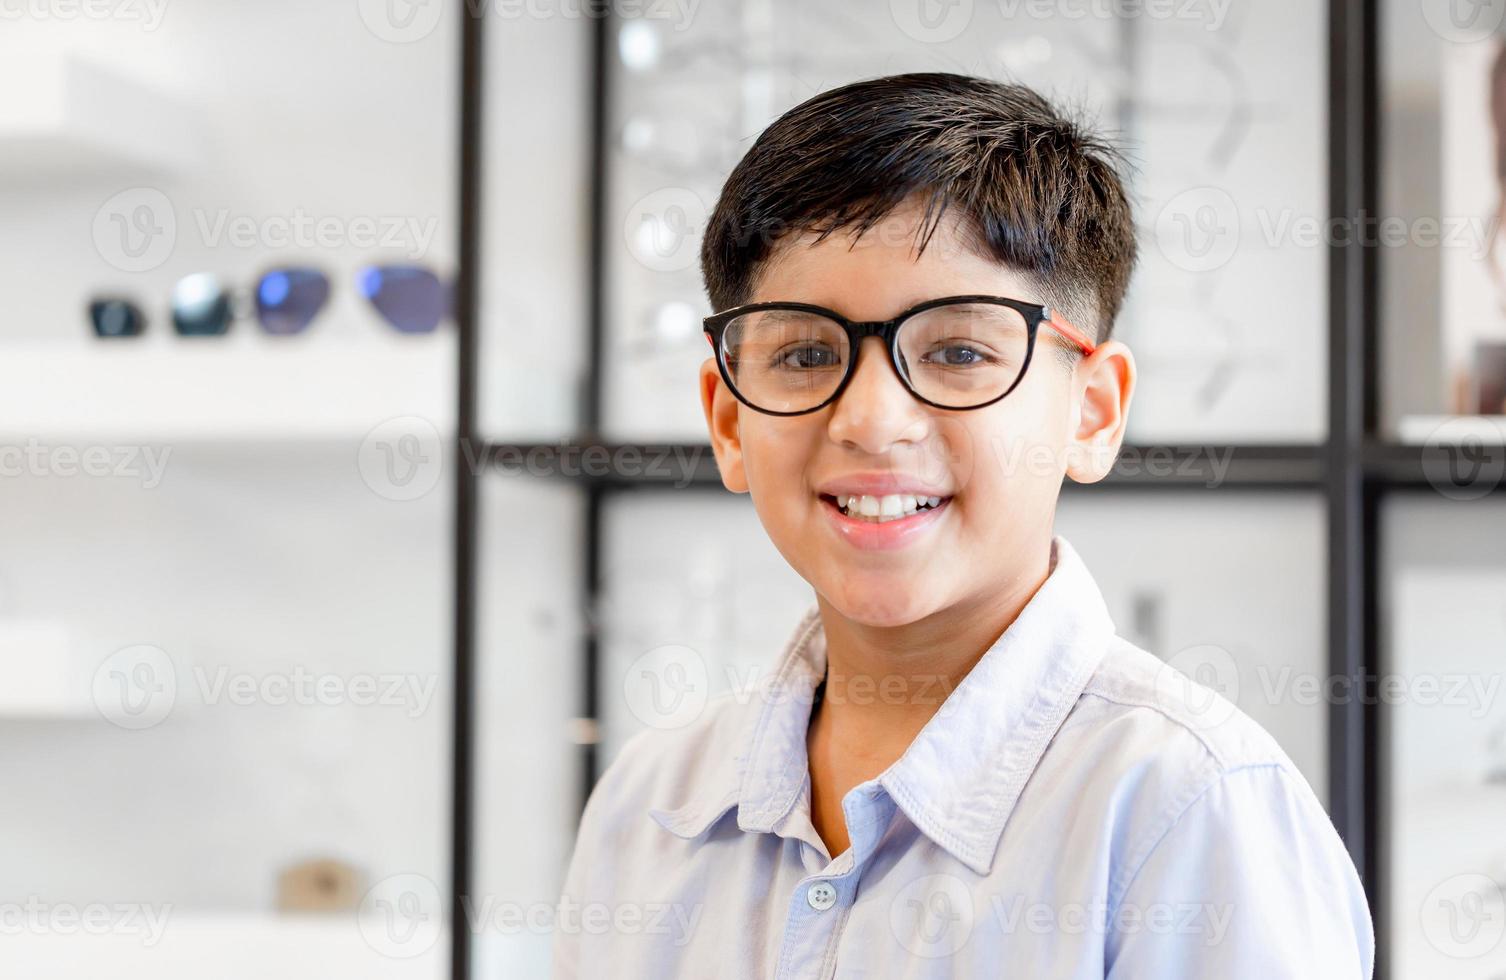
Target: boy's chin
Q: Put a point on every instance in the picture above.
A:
(878, 601)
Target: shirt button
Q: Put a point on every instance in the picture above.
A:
(821, 895)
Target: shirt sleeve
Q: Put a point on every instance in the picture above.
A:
(564, 955)
(588, 876)
(1250, 881)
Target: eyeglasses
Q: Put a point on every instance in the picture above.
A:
(957, 352)
(411, 298)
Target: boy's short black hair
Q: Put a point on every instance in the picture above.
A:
(1036, 190)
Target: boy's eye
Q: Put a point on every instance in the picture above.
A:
(956, 355)
(807, 356)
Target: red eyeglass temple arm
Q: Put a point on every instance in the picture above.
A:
(1063, 326)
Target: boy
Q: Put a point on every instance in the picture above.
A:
(957, 769)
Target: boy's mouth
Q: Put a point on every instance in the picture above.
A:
(880, 509)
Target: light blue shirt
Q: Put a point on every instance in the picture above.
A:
(1076, 808)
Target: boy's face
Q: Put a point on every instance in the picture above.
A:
(999, 468)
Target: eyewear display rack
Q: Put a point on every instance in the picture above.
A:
(1353, 470)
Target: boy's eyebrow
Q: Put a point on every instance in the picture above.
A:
(909, 304)
(777, 315)
(782, 315)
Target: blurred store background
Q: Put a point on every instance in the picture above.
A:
(270, 448)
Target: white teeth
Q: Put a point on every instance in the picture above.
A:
(885, 508)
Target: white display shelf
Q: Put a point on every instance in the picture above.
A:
(81, 120)
(221, 389)
(57, 707)
(1418, 430)
(227, 946)
(41, 682)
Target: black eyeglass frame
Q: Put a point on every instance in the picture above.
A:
(1035, 314)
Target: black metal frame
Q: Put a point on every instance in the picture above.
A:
(466, 314)
(1351, 501)
(1354, 468)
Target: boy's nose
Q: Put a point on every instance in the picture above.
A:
(875, 410)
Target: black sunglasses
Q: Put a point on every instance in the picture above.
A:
(787, 358)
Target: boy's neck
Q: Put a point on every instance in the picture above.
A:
(884, 683)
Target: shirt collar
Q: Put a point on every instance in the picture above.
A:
(960, 778)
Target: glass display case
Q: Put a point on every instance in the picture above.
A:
(1225, 120)
(1227, 159)
(224, 614)
(1444, 744)
(1442, 159)
(531, 622)
(1276, 327)
(535, 227)
(1195, 580)
(697, 613)
(359, 503)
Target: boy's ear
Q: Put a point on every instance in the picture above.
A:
(721, 408)
(1103, 385)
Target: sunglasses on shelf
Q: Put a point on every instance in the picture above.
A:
(410, 298)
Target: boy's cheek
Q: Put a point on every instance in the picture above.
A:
(783, 450)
